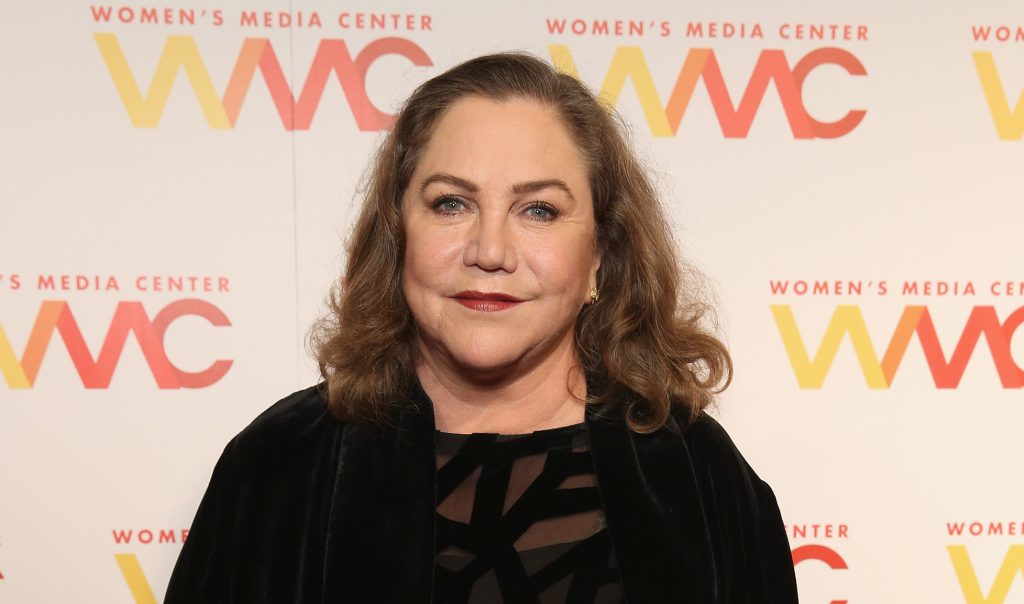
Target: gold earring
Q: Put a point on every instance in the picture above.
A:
(594, 295)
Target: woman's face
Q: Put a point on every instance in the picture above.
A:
(499, 227)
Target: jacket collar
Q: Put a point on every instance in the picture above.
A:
(381, 530)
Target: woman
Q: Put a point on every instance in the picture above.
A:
(514, 385)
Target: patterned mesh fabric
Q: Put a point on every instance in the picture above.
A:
(519, 520)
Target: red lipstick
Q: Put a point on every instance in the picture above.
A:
(486, 301)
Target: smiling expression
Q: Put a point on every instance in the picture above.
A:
(500, 236)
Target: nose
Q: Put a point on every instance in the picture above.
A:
(490, 245)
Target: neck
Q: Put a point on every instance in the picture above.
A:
(548, 394)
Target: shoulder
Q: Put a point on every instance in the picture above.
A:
(265, 481)
(299, 412)
(290, 426)
(707, 438)
(716, 456)
(284, 450)
(743, 516)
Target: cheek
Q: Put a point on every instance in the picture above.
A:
(563, 265)
(430, 257)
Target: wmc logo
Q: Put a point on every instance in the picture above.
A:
(135, 577)
(994, 536)
(1009, 123)
(810, 541)
(847, 320)
(700, 64)
(1013, 564)
(180, 53)
(129, 318)
(129, 565)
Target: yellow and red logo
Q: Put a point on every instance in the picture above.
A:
(966, 571)
(812, 548)
(847, 320)
(1009, 122)
(128, 563)
(701, 64)
(180, 53)
(914, 320)
(130, 317)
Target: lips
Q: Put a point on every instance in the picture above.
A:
(486, 301)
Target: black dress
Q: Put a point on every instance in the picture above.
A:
(519, 519)
(305, 509)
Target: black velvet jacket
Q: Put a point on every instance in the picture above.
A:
(304, 508)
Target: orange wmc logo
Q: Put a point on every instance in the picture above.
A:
(820, 553)
(701, 64)
(915, 320)
(1009, 122)
(128, 563)
(1012, 566)
(180, 53)
(129, 318)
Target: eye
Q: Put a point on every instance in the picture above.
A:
(540, 210)
(448, 204)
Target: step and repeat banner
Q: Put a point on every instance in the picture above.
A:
(178, 180)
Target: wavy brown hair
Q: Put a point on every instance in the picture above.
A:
(644, 341)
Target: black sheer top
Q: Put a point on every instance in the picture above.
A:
(519, 519)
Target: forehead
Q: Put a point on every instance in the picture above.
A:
(496, 142)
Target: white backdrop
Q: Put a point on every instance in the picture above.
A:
(869, 276)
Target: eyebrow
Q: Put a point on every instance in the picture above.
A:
(520, 188)
(462, 183)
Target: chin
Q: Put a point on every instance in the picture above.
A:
(486, 360)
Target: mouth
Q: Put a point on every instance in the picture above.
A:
(486, 301)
